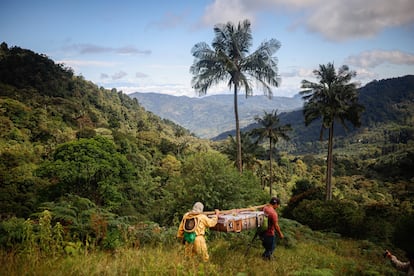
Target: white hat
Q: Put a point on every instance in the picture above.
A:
(198, 207)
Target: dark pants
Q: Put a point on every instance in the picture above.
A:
(269, 244)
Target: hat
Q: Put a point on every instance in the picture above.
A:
(274, 200)
(198, 207)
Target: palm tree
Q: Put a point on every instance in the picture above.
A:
(229, 60)
(334, 98)
(250, 150)
(271, 129)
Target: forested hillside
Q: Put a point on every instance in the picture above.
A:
(65, 140)
(85, 169)
(49, 117)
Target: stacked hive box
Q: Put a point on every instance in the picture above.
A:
(245, 220)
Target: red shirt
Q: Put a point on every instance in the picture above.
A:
(273, 219)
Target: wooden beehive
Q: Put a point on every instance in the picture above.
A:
(237, 222)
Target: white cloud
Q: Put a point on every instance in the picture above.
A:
(175, 89)
(339, 20)
(336, 20)
(288, 88)
(364, 75)
(301, 72)
(140, 75)
(119, 75)
(83, 63)
(223, 11)
(86, 48)
(170, 89)
(375, 58)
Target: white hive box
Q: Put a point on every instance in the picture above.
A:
(238, 221)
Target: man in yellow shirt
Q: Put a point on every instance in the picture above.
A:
(192, 229)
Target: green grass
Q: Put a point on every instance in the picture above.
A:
(303, 252)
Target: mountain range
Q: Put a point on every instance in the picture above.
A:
(209, 116)
(388, 101)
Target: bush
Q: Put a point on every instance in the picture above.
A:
(11, 232)
(379, 222)
(342, 217)
(304, 189)
(212, 179)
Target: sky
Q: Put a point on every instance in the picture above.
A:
(145, 46)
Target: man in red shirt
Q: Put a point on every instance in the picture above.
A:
(268, 238)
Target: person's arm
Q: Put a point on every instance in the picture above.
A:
(275, 219)
(211, 222)
(278, 231)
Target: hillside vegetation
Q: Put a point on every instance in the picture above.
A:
(91, 181)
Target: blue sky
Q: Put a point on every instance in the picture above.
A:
(145, 46)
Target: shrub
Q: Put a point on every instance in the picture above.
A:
(11, 232)
(379, 222)
(304, 189)
(342, 217)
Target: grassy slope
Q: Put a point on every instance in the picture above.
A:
(303, 252)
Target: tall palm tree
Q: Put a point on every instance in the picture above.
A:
(270, 128)
(333, 98)
(229, 60)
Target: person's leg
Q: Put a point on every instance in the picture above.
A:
(188, 250)
(273, 245)
(200, 248)
(269, 246)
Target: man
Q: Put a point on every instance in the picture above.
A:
(407, 267)
(268, 238)
(195, 222)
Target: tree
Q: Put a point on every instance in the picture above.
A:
(250, 150)
(90, 168)
(230, 61)
(271, 129)
(212, 179)
(334, 98)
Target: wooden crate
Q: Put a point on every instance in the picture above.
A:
(237, 222)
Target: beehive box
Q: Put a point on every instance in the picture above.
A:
(237, 222)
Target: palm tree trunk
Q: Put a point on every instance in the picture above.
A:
(329, 163)
(238, 138)
(270, 170)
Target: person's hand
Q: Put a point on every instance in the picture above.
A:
(281, 235)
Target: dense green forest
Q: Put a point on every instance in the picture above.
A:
(80, 166)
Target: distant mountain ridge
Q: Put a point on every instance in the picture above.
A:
(387, 101)
(209, 116)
